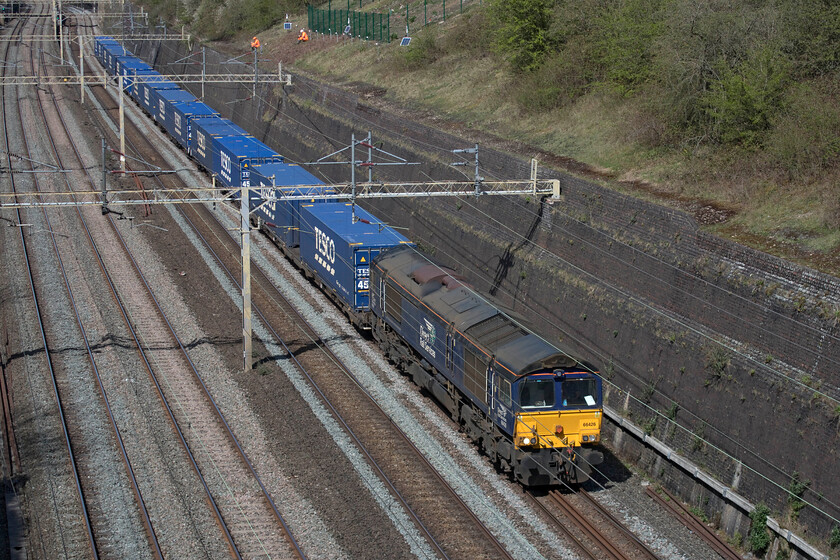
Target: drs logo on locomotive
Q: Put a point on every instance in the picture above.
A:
(428, 335)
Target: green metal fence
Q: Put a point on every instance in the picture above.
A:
(365, 25)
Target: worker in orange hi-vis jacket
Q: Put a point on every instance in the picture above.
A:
(255, 44)
(303, 37)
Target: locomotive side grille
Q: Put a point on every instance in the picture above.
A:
(393, 302)
(475, 375)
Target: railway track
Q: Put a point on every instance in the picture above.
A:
(433, 503)
(447, 523)
(80, 450)
(418, 486)
(243, 509)
(675, 506)
(597, 533)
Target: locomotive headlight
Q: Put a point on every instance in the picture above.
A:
(526, 441)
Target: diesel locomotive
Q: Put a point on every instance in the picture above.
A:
(533, 409)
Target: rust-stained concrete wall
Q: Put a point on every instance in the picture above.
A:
(747, 344)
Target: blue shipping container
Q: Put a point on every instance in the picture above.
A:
(166, 97)
(137, 78)
(340, 248)
(127, 66)
(110, 55)
(178, 119)
(282, 179)
(204, 129)
(231, 157)
(147, 97)
(98, 43)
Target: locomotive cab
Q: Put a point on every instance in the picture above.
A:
(558, 420)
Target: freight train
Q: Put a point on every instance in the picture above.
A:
(534, 409)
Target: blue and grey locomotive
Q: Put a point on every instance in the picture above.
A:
(534, 410)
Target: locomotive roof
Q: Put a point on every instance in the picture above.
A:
(448, 295)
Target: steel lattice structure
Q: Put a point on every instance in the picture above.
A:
(344, 191)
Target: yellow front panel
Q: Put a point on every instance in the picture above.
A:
(558, 429)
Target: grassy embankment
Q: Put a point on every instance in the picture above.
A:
(776, 192)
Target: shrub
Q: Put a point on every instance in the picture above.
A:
(563, 78)
(522, 31)
(759, 538)
(470, 33)
(716, 360)
(811, 32)
(261, 15)
(805, 140)
(834, 539)
(626, 38)
(744, 100)
(797, 489)
(422, 52)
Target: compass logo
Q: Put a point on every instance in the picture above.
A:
(428, 335)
